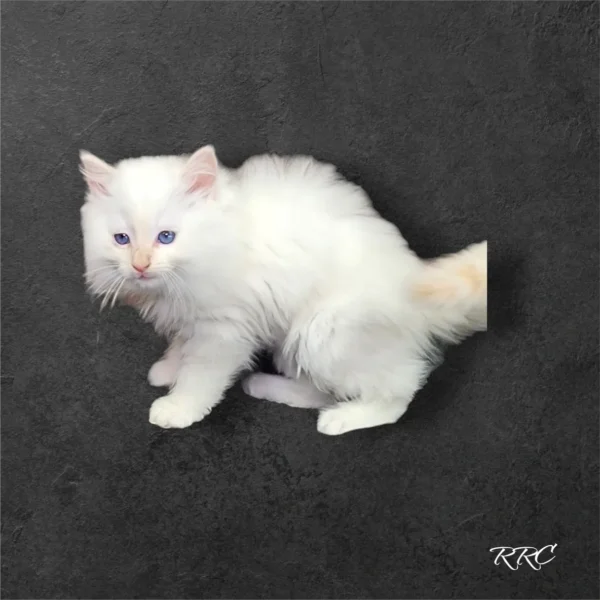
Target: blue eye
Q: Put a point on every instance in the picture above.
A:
(121, 238)
(166, 237)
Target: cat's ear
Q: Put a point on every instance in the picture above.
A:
(96, 172)
(201, 169)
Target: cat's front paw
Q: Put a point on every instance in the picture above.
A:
(163, 373)
(175, 412)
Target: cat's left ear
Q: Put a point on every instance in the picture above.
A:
(96, 172)
(201, 169)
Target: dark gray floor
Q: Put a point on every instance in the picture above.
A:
(463, 121)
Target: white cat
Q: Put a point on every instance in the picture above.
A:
(282, 253)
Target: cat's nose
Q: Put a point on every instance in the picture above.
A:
(141, 260)
(140, 267)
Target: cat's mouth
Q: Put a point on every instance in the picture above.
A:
(146, 280)
(143, 276)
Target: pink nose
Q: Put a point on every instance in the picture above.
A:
(139, 268)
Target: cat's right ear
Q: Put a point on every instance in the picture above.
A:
(201, 170)
(96, 172)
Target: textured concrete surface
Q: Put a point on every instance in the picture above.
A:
(463, 122)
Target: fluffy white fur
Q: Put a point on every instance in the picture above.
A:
(282, 253)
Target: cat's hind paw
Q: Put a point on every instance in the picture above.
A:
(352, 415)
(163, 373)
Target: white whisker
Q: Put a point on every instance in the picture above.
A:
(100, 269)
(107, 293)
(116, 293)
(179, 287)
(173, 278)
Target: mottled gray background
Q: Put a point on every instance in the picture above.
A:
(463, 121)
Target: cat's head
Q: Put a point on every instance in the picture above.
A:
(140, 219)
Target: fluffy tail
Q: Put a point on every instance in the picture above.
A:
(452, 292)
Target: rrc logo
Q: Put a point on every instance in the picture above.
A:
(514, 557)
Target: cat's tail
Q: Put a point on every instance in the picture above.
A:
(451, 291)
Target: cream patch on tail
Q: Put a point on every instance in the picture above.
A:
(453, 290)
(455, 276)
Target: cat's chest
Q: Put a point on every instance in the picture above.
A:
(168, 315)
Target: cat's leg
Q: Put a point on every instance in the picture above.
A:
(300, 393)
(380, 405)
(209, 362)
(363, 357)
(163, 372)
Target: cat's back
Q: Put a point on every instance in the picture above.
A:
(309, 228)
(301, 184)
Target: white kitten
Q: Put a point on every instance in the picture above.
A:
(282, 253)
